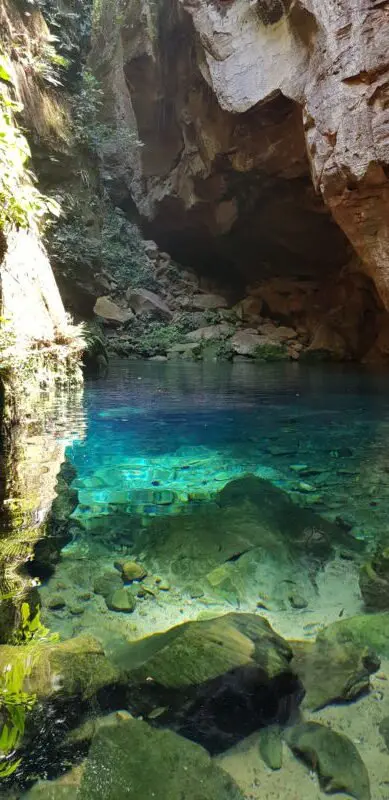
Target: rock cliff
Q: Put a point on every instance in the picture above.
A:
(252, 140)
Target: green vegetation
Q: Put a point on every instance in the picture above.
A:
(21, 203)
(105, 242)
(149, 338)
(15, 702)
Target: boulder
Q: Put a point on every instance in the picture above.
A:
(221, 330)
(364, 631)
(142, 300)
(216, 680)
(111, 312)
(121, 600)
(132, 571)
(249, 343)
(277, 334)
(374, 581)
(327, 344)
(384, 731)
(270, 746)
(332, 670)
(248, 308)
(134, 760)
(107, 583)
(195, 652)
(334, 757)
(184, 350)
(206, 302)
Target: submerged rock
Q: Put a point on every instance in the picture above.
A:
(332, 670)
(270, 746)
(132, 571)
(364, 631)
(121, 600)
(384, 730)
(133, 760)
(217, 680)
(334, 757)
(196, 652)
(374, 581)
(107, 583)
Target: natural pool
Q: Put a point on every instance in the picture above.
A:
(191, 492)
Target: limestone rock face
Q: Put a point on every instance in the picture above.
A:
(29, 297)
(264, 136)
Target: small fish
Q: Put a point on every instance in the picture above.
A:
(156, 712)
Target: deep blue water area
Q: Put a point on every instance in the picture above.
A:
(320, 429)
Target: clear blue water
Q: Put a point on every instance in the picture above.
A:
(163, 457)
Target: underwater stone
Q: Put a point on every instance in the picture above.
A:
(331, 671)
(334, 757)
(195, 652)
(76, 609)
(121, 600)
(134, 760)
(364, 631)
(107, 583)
(374, 581)
(131, 570)
(298, 601)
(270, 746)
(384, 730)
(56, 602)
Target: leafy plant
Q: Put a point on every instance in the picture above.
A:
(31, 628)
(21, 203)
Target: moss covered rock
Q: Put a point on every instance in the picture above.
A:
(132, 571)
(374, 581)
(332, 670)
(364, 631)
(196, 652)
(334, 757)
(136, 761)
(121, 600)
(270, 746)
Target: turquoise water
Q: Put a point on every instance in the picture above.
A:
(235, 489)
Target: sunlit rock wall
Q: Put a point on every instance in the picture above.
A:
(30, 301)
(254, 118)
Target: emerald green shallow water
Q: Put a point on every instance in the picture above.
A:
(237, 488)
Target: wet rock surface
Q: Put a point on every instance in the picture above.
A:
(333, 756)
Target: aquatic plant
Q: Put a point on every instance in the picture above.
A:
(15, 701)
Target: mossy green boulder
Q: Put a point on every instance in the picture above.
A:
(332, 670)
(134, 760)
(334, 757)
(270, 746)
(121, 600)
(196, 652)
(364, 631)
(132, 571)
(374, 581)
